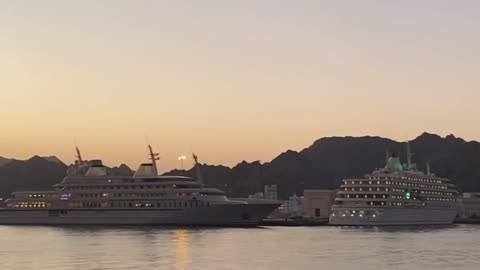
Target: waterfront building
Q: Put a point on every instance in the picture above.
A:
(257, 195)
(270, 192)
(293, 206)
(317, 203)
(470, 205)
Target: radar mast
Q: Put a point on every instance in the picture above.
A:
(409, 156)
(153, 157)
(79, 156)
(198, 169)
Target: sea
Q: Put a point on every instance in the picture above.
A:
(360, 248)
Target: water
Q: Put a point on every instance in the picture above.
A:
(443, 247)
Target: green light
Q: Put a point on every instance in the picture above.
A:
(408, 195)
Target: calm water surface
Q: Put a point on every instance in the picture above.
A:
(445, 247)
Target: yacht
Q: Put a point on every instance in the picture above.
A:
(395, 195)
(88, 195)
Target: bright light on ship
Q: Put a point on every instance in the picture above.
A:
(181, 159)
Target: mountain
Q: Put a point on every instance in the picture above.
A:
(328, 160)
(122, 170)
(32, 174)
(4, 161)
(39, 173)
(320, 166)
(53, 159)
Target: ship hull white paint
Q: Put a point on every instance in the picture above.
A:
(214, 215)
(394, 216)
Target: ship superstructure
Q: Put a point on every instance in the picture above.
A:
(398, 194)
(88, 195)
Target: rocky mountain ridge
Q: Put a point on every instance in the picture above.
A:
(319, 166)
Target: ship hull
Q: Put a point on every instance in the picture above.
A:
(214, 215)
(352, 216)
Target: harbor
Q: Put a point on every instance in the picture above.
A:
(239, 135)
(262, 248)
(397, 194)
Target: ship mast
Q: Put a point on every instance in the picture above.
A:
(79, 156)
(387, 156)
(198, 169)
(153, 157)
(409, 156)
(80, 164)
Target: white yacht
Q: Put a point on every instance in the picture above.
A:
(395, 195)
(89, 196)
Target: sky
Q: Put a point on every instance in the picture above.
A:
(231, 80)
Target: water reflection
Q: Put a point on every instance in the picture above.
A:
(401, 229)
(181, 242)
(271, 248)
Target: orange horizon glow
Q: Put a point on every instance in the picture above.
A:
(237, 81)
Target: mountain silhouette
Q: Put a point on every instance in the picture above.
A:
(320, 166)
(39, 173)
(328, 160)
(33, 174)
(4, 161)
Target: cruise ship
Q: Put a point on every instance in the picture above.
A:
(395, 195)
(88, 195)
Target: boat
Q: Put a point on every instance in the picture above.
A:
(88, 195)
(398, 194)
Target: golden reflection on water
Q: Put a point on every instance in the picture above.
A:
(181, 242)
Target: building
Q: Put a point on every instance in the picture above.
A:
(293, 206)
(318, 203)
(258, 195)
(470, 205)
(270, 192)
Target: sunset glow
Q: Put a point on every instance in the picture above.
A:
(243, 81)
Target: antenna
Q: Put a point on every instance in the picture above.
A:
(409, 156)
(153, 157)
(79, 156)
(195, 158)
(387, 155)
(80, 164)
(198, 169)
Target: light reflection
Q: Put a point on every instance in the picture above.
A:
(181, 242)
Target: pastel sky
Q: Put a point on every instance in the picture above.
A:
(234, 80)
